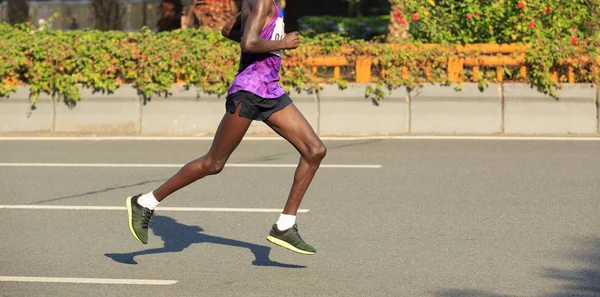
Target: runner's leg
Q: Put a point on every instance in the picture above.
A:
(230, 133)
(291, 125)
(140, 208)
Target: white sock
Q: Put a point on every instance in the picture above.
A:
(148, 201)
(285, 222)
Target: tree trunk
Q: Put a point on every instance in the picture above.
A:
(170, 15)
(213, 13)
(18, 11)
(108, 14)
(398, 26)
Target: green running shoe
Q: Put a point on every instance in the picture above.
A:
(291, 240)
(139, 219)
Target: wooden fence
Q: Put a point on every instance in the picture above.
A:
(473, 56)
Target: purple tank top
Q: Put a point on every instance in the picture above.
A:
(259, 73)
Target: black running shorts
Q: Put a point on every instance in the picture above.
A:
(255, 107)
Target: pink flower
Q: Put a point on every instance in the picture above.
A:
(521, 5)
(415, 16)
(398, 15)
(403, 22)
(574, 40)
(531, 24)
(469, 16)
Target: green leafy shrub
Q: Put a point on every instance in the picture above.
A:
(556, 31)
(366, 28)
(499, 21)
(59, 63)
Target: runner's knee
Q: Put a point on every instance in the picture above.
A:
(208, 166)
(315, 152)
(214, 166)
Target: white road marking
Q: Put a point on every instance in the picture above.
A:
(123, 165)
(156, 282)
(160, 208)
(332, 138)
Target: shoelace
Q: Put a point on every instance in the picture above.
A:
(297, 233)
(146, 215)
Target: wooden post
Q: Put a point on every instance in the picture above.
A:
(523, 72)
(363, 69)
(455, 68)
(571, 75)
(554, 76)
(404, 73)
(500, 74)
(475, 73)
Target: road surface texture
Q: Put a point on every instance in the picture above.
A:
(424, 218)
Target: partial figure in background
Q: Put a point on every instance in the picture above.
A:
(74, 24)
(170, 15)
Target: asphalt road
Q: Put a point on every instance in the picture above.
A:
(439, 218)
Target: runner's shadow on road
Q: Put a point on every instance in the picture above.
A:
(581, 281)
(584, 279)
(177, 237)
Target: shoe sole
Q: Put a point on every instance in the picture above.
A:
(130, 219)
(288, 246)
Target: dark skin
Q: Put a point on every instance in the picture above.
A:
(253, 17)
(289, 123)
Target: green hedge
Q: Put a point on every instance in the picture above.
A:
(500, 21)
(59, 63)
(367, 28)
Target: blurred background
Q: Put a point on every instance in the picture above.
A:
(164, 15)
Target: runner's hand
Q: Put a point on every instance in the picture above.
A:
(290, 40)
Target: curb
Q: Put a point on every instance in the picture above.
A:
(507, 109)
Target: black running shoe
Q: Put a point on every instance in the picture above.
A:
(139, 219)
(291, 240)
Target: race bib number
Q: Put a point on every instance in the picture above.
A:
(278, 34)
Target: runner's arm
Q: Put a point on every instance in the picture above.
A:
(251, 40)
(233, 29)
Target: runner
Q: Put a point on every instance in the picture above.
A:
(255, 94)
